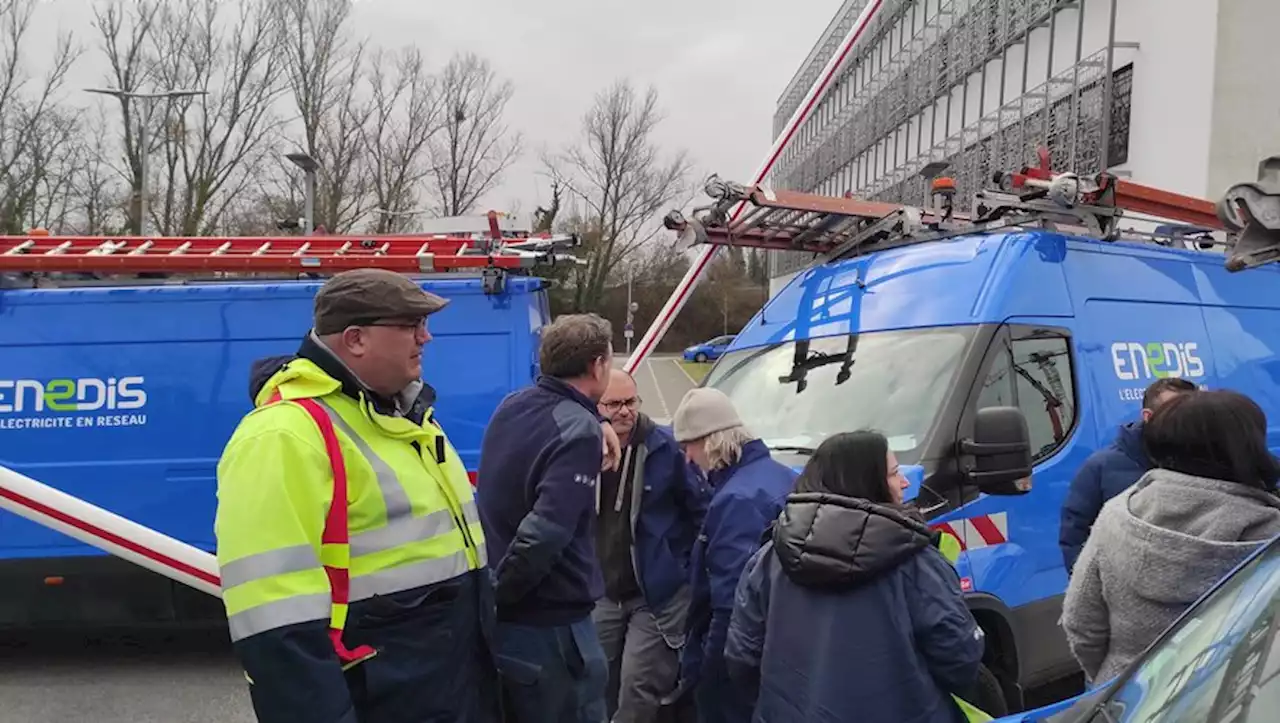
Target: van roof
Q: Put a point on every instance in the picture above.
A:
(981, 278)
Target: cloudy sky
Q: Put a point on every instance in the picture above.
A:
(718, 65)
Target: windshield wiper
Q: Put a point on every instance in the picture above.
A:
(808, 451)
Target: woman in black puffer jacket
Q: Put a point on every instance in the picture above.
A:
(849, 612)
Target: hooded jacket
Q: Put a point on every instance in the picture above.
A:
(1105, 474)
(848, 613)
(1155, 549)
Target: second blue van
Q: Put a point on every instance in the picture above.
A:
(936, 343)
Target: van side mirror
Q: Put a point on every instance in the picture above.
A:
(997, 460)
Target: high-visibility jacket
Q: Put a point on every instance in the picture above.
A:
(950, 548)
(411, 516)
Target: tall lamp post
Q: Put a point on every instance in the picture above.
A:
(308, 166)
(143, 142)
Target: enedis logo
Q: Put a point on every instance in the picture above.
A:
(1156, 360)
(1148, 361)
(61, 403)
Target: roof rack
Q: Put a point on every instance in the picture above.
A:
(1034, 196)
(493, 256)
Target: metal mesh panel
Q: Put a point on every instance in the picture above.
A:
(896, 101)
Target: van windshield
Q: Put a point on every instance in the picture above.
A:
(793, 395)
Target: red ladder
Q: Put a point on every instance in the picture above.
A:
(253, 254)
(42, 253)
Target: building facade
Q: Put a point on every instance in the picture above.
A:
(1172, 93)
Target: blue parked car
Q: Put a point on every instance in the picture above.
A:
(1220, 661)
(709, 350)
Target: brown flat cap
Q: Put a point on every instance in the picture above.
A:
(363, 296)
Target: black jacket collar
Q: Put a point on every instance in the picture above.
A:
(315, 352)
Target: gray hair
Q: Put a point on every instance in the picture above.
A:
(572, 342)
(724, 448)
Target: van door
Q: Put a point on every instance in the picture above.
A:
(1012, 541)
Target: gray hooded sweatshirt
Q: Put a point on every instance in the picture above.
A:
(1155, 549)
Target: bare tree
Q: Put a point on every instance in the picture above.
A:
(53, 159)
(124, 28)
(33, 130)
(324, 73)
(405, 116)
(545, 217)
(621, 178)
(474, 148)
(213, 157)
(98, 194)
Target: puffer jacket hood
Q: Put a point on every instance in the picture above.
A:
(835, 542)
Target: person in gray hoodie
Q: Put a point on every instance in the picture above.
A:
(1209, 501)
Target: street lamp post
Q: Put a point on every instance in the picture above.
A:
(628, 330)
(308, 166)
(143, 143)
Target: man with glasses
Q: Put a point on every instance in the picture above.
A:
(650, 510)
(375, 609)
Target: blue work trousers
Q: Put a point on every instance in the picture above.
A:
(552, 674)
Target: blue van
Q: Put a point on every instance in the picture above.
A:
(124, 395)
(996, 363)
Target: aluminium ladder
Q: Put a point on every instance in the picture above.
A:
(1247, 218)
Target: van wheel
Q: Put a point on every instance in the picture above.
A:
(990, 694)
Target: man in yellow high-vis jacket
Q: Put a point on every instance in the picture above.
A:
(377, 610)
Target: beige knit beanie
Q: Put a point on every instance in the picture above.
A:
(703, 411)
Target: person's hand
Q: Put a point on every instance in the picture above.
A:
(612, 449)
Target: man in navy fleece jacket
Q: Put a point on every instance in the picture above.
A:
(540, 465)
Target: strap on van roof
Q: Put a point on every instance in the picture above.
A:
(1246, 221)
(493, 256)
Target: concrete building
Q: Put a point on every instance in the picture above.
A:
(1182, 91)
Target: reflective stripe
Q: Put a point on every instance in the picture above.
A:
(407, 577)
(279, 613)
(267, 564)
(402, 532)
(401, 528)
(393, 494)
(470, 512)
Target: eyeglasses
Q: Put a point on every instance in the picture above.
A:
(618, 404)
(410, 324)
